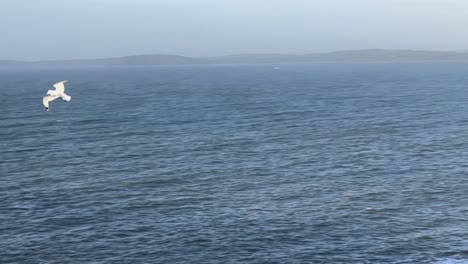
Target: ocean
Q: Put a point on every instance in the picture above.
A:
(290, 163)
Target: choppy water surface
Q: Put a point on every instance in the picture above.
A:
(311, 163)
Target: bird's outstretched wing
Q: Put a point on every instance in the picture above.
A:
(60, 88)
(47, 99)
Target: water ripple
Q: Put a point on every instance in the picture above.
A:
(316, 163)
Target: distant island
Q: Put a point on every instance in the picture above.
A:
(368, 55)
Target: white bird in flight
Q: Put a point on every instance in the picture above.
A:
(54, 94)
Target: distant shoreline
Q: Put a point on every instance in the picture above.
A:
(368, 55)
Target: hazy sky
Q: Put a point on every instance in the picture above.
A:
(67, 29)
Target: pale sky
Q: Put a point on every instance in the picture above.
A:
(74, 29)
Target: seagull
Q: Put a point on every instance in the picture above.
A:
(54, 94)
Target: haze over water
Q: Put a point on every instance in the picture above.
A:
(56, 29)
(309, 163)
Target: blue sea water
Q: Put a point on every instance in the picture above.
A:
(309, 163)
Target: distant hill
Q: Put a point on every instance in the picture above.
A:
(388, 55)
(163, 59)
(127, 60)
(6, 63)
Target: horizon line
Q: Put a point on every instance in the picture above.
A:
(229, 55)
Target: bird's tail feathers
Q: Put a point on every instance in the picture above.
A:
(66, 97)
